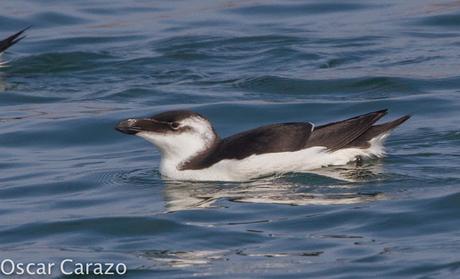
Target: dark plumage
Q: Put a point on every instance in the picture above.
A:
(273, 138)
(353, 132)
(11, 40)
(175, 115)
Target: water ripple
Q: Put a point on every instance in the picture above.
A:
(73, 187)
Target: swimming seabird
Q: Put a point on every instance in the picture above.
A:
(11, 40)
(192, 150)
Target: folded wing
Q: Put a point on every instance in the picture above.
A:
(353, 132)
(285, 137)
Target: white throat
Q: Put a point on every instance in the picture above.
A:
(178, 148)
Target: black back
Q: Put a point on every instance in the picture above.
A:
(288, 137)
(283, 137)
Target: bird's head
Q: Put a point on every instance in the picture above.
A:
(179, 135)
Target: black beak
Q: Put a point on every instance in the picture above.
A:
(128, 126)
(134, 126)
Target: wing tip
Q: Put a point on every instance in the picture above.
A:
(13, 39)
(380, 113)
(376, 115)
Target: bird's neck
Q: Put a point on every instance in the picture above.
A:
(173, 161)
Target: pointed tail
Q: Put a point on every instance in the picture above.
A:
(376, 130)
(337, 135)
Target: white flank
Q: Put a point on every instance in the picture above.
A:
(255, 166)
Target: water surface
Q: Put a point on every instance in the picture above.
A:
(72, 187)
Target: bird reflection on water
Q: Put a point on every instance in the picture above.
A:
(327, 186)
(2, 80)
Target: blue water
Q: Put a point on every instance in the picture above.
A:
(72, 187)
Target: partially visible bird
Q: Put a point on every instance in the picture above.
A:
(11, 40)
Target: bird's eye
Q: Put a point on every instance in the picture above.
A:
(174, 125)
